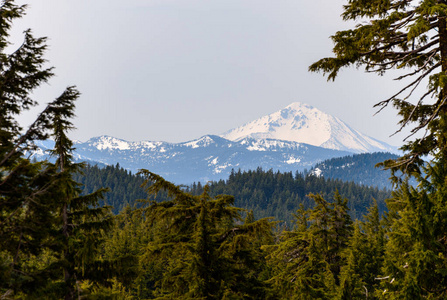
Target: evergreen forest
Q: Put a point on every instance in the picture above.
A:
(266, 193)
(359, 168)
(60, 240)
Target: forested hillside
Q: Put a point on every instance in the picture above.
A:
(267, 193)
(279, 195)
(125, 187)
(359, 168)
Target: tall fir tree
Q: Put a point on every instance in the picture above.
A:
(363, 258)
(46, 228)
(308, 260)
(25, 212)
(80, 222)
(124, 245)
(401, 34)
(416, 253)
(202, 252)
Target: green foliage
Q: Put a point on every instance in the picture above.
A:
(266, 193)
(79, 221)
(49, 234)
(25, 187)
(124, 246)
(279, 195)
(363, 258)
(124, 187)
(58, 240)
(415, 258)
(400, 34)
(201, 247)
(306, 263)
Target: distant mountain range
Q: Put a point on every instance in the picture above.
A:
(292, 139)
(207, 158)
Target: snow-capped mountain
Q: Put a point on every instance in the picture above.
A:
(292, 139)
(303, 123)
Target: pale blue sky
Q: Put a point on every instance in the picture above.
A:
(175, 70)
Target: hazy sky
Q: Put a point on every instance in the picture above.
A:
(175, 70)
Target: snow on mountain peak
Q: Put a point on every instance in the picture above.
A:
(203, 141)
(299, 106)
(300, 122)
(107, 142)
(297, 122)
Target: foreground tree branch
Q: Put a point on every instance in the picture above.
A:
(405, 35)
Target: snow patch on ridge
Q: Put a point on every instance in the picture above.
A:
(202, 142)
(292, 160)
(317, 172)
(107, 142)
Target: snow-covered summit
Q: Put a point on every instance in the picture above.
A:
(204, 141)
(299, 122)
(107, 142)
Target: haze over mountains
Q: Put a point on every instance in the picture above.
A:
(292, 139)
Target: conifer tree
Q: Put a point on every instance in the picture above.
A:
(416, 254)
(25, 186)
(352, 285)
(375, 231)
(339, 233)
(123, 245)
(400, 34)
(80, 223)
(202, 252)
(306, 263)
(363, 258)
(46, 228)
(286, 256)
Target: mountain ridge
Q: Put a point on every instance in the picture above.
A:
(207, 158)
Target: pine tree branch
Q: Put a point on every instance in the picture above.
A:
(41, 119)
(405, 54)
(385, 103)
(29, 199)
(426, 122)
(413, 111)
(427, 61)
(226, 234)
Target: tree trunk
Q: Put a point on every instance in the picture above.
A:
(442, 29)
